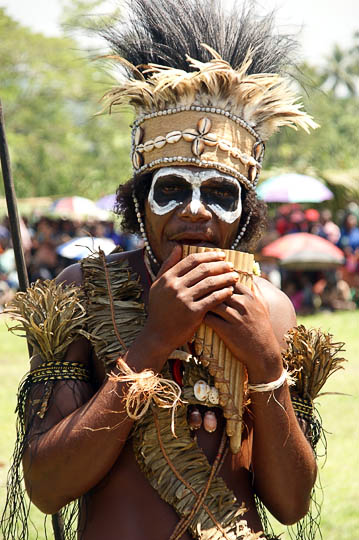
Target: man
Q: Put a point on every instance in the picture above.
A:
(197, 151)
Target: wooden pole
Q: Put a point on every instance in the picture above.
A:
(57, 522)
(12, 207)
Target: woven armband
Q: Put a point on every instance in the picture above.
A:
(60, 371)
(304, 410)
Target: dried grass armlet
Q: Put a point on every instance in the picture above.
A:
(145, 388)
(60, 371)
(273, 385)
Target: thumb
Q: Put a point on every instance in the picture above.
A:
(174, 257)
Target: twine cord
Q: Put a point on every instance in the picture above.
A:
(273, 385)
(183, 480)
(216, 466)
(112, 307)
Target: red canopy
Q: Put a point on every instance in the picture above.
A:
(304, 251)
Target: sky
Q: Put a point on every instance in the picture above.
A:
(320, 23)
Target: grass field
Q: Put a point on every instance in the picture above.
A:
(339, 476)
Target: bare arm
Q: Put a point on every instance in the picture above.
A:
(283, 464)
(80, 438)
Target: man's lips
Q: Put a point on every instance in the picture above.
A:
(188, 237)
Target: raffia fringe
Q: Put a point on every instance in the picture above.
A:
(313, 356)
(145, 388)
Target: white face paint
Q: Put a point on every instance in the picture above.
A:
(195, 181)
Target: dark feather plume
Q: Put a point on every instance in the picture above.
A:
(164, 31)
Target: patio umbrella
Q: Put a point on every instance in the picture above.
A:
(80, 247)
(304, 251)
(107, 202)
(293, 188)
(76, 207)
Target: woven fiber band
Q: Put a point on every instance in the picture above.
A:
(200, 138)
(303, 408)
(58, 371)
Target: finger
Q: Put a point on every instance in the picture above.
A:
(206, 270)
(213, 283)
(195, 259)
(236, 301)
(214, 299)
(224, 312)
(240, 288)
(216, 323)
(174, 257)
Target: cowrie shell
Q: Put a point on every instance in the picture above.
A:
(137, 160)
(224, 145)
(148, 146)
(258, 151)
(252, 173)
(201, 390)
(138, 136)
(210, 139)
(173, 136)
(189, 135)
(159, 142)
(244, 159)
(197, 147)
(252, 161)
(204, 125)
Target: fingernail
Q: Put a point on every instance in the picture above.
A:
(230, 265)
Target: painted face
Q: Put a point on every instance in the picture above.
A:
(173, 186)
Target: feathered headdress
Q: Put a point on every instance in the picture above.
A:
(211, 114)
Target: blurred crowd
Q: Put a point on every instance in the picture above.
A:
(44, 241)
(324, 288)
(333, 288)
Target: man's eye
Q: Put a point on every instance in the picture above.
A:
(170, 189)
(222, 193)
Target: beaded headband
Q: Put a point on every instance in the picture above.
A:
(213, 117)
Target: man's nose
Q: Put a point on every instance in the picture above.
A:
(195, 210)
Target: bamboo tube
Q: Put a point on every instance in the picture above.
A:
(229, 373)
(222, 385)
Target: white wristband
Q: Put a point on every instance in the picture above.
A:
(271, 386)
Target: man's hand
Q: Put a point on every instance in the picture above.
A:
(243, 322)
(184, 291)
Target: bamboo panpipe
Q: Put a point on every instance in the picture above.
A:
(227, 371)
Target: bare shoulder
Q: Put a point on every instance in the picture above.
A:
(73, 273)
(281, 310)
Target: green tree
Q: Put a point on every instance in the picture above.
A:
(332, 146)
(338, 72)
(50, 93)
